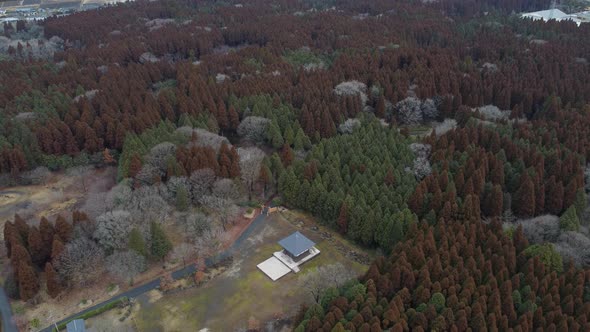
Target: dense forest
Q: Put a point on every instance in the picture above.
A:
(458, 277)
(451, 136)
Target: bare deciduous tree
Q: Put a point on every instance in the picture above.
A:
(409, 111)
(348, 126)
(250, 162)
(147, 204)
(352, 88)
(225, 208)
(429, 110)
(118, 197)
(254, 128)
(112, 229)
(201, 183)
(541, 229)
(210, 242)
(81, 173)
(38, 176)
(80, 262)
(183, 252)
(445, 126)
(421, 168)
(317, 281)
(574, 246)
(159, 154)
(149, 174)
(125, 264)
(225, 189)
(195, 224)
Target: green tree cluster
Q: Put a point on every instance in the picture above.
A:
(352, 170)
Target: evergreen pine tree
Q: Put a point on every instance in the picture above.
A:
(274, 135)
(569, 221)
(182, 199)
(581, 202)
(136, 242)
(161, 245)
(289, 136)
(298, 140)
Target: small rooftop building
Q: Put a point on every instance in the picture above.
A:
(554, 14)
(296, 246)
(297, 249)
(77, 325)
(546, 15)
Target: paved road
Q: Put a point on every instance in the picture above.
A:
(8, 324)
(155, 283)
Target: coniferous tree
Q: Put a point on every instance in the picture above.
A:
(47, 231)
(38, 251)
(525, 198)
(57, 247)
(581, 202)
(63, 228)
(182, 199)
(286, 155)
(160, 245)
(53, 283)
(274, 135)
(22, 227)
(28, 283)
(135, 165)
(137, 243)
(569, 221)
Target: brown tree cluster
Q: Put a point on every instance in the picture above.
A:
(489, 172)
(459, 277)
(540, 82)
(33, 249)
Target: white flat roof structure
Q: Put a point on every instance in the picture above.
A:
(274, 268)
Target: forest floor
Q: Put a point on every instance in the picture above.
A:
(242, 292)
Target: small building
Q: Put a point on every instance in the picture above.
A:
(77, 325)
(553, 14)
(296, 246)
(297, 249)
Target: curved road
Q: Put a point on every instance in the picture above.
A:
(134, 292)
(8, 324)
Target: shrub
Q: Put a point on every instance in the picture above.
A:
(108, 306)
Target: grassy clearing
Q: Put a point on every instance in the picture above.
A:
(94, 312)
(228, 301)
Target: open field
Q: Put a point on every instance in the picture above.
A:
(243, 292)
(60, 194)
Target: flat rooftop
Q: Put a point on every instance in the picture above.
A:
(274, 268)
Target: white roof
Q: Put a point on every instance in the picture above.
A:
(546, 15)
(551, 14)
(274, 268)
